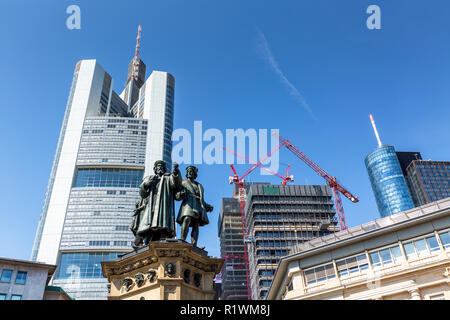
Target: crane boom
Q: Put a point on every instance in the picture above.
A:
(332, 181)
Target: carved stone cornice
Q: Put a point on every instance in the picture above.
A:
(175, 250)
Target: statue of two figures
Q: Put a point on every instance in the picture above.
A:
(154, 216)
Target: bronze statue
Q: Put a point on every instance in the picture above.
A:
(154, 217)
(193, 209)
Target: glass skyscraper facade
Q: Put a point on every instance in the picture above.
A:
(105, 148)
(388, 183)
(428, 180)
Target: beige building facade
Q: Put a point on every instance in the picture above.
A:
(405, 256)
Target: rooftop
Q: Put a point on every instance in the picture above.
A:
(372, 226)
(378, 228)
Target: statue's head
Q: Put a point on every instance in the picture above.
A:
(170, 269)
(159, 167)
(191, 172)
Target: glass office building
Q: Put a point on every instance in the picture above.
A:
(105, 148)
(388, 183)
(428, 180)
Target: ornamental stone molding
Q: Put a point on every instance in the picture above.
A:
(164, 270)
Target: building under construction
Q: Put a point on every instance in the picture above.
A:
(234, 283)
(278, 217)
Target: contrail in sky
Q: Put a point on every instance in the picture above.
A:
(268, 56)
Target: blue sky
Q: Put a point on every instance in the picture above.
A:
(237, 64)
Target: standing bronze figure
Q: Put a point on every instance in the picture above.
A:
(193, 209)
(154, 217)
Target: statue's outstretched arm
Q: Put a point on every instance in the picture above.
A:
(175, 178)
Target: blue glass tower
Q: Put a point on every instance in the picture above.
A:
(387, 180)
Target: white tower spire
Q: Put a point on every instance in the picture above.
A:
(375, 130)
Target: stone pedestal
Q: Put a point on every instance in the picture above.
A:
(164, 270)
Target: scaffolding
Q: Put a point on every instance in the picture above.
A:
(234, 283)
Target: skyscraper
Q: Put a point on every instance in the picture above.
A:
(428, 180)
(386, 177)
(107, 143)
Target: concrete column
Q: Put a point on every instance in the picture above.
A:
(336, 271)
(405, 262)
(415, 294)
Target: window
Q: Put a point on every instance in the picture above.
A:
(433, 244)
(352, 265)
(421, 247)
(265, 283)
(16, 297)
(266, 273)
(319, 274)
(2, 296)
(109, 177)
(290, 286)
(440, 296)
(6, 275)
(83, 265)
(385, 257)
(445, 239)
(99, 243)
(21, 277)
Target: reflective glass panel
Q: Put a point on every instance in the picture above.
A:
(83, 265)
(375, 258)
(6, 275)
(410, 251)
(386, 256)
(445, 239)
(433, 244)
(421, 247)
(21, 277)
(396, 252)
(109, 177)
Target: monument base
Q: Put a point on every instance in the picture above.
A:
(163, 270)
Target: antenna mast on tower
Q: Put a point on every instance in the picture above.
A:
(136, 59)
(375, 130)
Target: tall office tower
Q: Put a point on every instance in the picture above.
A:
(234, 286)
(279, 217)
(428, 180)
(387, 180)
(104, 149)
(405, 158)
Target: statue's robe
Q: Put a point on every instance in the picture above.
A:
(194, 204)
(158, 216)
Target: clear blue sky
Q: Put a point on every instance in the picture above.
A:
(237, 64)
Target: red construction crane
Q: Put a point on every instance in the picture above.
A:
(332, 181)
(239, 181)
(287, 177)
